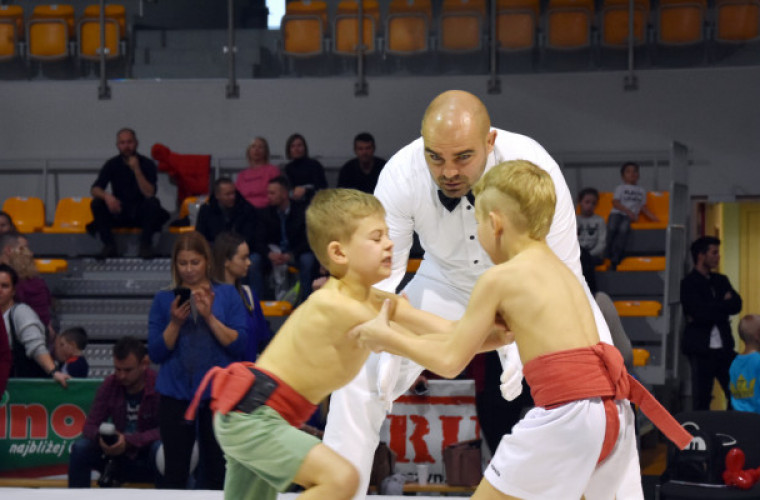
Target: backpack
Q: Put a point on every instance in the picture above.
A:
(703, 461)
(23, 367)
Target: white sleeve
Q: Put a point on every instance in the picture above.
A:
(395, 193)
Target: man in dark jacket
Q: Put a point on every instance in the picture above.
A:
(281, 237)
(708, 299)
(129, 400)
(226, 210)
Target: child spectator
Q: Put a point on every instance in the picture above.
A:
(68, 351)
(745, 369)
(592, 234)
(627, 202)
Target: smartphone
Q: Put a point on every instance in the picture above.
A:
(183, 294)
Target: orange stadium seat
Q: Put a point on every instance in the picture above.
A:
(71, 216)
(184, 211)
(49, 31)
(517, 24)
(113, 11)
(49, 266)
(658, 202)
(407, 27)
(569, 24)
(461, 25)
(642, 264)
(11, 31)
(55, 12)
(276, 308)
(604, 205)
(89, 39)
(412, 265)
(346, 27)
(614, 20)
(681, 22)
(303, 28)
(640, 356)
(638, 308)
(738, 21)
(28, 213)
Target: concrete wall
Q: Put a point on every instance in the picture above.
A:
(578, 117)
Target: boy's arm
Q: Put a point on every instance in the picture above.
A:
(648, 213)
(616, 203)
(448, 351)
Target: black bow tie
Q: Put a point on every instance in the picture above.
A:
(451, 203)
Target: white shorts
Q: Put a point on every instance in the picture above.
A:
(554, 453)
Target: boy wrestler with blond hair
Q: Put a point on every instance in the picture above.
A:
(311, 356)
(580, 436)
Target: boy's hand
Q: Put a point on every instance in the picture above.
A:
(371, 333)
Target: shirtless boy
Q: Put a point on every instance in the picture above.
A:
(310, 357)
(580, 437)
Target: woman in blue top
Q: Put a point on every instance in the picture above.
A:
(187, 338)
(231, 264)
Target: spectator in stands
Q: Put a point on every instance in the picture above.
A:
(252, 182)
(708, 299)
(363, 171)
(31, 289)
(129, 400)
(592, 235)
(26, 333)
(281, 238)
(231, 263)
(745, 369)
(187, 338)
(69, 347)
(306, 175)
(132, 201)
(6, 223)
(628, 201)
(226, 210)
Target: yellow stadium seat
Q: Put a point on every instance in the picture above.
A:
(516, 24)
(412, 265)
(638, 308)
(276, 308)
(461, 25)
(49, 31)
(71, 216)
(28, 213)
(604, 266)
(184, 211)
(56, 11)
(642, 264)
(49, 266)
(614, 20)
(604, 205)
(113, 11)
(681, 22)
(658, 202)
(569, 24)
(346, 27)
(11, 30)
(89, 39)
(738, 21)
(303, 28)
(407, 27)
(640, 356)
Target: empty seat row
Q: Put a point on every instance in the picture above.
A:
(51, 30)
(28, 213)
(463, 25)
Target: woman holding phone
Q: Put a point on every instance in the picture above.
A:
(193, 327)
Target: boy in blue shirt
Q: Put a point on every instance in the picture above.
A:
(745, 369)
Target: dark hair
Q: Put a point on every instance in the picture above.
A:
(701, 245)
(290, 141)
(5, 268)
(222, 180)
(10, 219)
(364, 137)
(587, 191)
(282, 181)
(628, 163)
(77, 335)
(129, 345)
(127, 129)
(226, 244)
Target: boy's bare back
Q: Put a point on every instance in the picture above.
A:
(542, 302)
(311, 352)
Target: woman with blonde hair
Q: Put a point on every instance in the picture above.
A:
(252, 182)
(195, 326)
